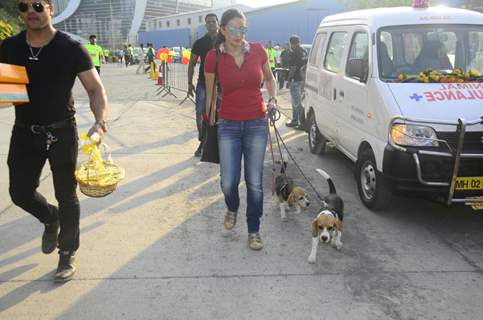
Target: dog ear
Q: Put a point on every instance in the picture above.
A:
(338, 225)
(315, 229)
(292, 198)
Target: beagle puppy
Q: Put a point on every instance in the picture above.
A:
(327, 226)
(288, 194)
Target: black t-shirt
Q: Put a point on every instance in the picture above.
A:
(51, 77)
(298, 59)
(201, 47)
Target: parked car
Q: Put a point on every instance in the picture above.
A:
(406, 133)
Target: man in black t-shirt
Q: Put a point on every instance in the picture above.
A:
(200, 49)
(298, 60)
(45, 128)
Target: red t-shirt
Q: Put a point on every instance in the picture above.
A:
(241, 95)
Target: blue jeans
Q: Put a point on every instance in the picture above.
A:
(200, 108)
(296, 95)
(247, 138)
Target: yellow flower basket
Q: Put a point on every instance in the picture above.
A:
(97, 177)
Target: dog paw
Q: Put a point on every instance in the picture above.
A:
(338, 245)
(312, 259)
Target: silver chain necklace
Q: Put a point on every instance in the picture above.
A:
(34, 57)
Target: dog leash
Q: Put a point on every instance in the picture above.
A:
(274, 115)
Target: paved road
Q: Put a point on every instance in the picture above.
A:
(155, 248)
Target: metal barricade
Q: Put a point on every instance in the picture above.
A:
(175, 77)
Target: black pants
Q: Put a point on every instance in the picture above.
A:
(98, 70)
(26, 158)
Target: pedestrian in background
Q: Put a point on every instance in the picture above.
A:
(272, 55)
(240, 68)
(150, 55)
(142, 58)
(284, 64)
(126, 55)
(120, 54)
(298, 60)
(200, 49)
(130, 51)
(45, 128)
(96, 52)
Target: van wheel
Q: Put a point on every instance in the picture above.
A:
(317, 142)
(373, 190)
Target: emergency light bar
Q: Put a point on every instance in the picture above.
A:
(421, 4)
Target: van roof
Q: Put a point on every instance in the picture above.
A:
(381, 17)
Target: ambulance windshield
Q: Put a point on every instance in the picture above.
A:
(406, 51)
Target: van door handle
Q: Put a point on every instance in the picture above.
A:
(341, 94)
(335, 94)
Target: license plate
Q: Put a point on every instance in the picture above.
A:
(469, 183)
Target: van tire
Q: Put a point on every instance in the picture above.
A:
(317, 142)
(373, 189)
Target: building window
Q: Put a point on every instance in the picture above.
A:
(177, 22)
(167, 24)
(189, 20)
(200, 19)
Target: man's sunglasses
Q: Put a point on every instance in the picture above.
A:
(37, 6)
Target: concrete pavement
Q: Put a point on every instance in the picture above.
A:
(155, 249)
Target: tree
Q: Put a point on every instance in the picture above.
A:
(6, 30)
(9, 14)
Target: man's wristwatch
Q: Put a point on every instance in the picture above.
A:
(102, 124)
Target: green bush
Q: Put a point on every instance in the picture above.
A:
(6, 30)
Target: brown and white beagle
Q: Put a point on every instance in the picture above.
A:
(327, 226)
(289, 195)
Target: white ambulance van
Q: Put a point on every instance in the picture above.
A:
(407, 132)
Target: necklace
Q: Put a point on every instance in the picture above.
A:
(34, 57)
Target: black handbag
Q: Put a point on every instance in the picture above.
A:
(210, 152)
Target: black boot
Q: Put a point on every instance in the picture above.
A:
(198, 151)
(66, 268)
(49, 238)
(292, 124)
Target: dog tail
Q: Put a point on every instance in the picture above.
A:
(329, 180)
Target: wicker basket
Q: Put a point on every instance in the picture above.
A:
(93, 185)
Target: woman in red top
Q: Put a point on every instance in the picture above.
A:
(240, 68)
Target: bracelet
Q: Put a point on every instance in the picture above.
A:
(272, 99)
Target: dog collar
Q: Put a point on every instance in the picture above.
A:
(331, 212)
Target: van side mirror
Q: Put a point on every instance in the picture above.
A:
(357, 68)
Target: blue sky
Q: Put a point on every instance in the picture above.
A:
(264, 3)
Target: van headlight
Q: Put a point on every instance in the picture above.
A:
(413, 135)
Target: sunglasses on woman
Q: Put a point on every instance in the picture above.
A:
(235, 31)
(37, 6)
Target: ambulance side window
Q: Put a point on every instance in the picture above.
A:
(476, 51)
(316, 52)
(357, 65)
(335, 51)
(386, 38)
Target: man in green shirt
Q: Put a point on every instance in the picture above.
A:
(272, 55)
(96, 52)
